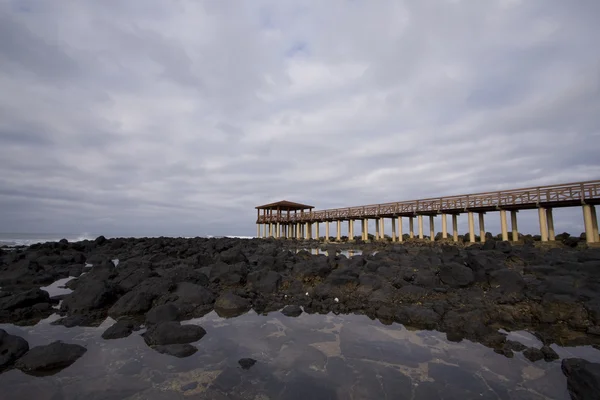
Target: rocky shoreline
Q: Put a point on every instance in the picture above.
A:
(466, 291)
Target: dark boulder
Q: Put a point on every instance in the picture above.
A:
(11, 348)
(246, 363)
(50, 358)
(533, 354)
(228, 274)
(92, 295)
(456, 275)
(24, 299)
(176, 350)
(141, 298)
(583, 378)
(417, 317)
(291, 311)
(190, 294)
(120, 329)
(264, 281)
(231, 305)
(163, 313)
(549, 353)
(185, 273)
(508, 281)
(172, 333)
(343, 276)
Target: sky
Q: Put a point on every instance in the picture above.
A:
(151, 117)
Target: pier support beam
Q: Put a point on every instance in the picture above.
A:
(257, 230)
(550, 219)
(351, 230)
(298, 231)
(595, 224)
(382, 228)
(543, 224)
(411, 227)
(481, 227)
(588, 221)
(420, 219)
(503, 225)
(339, 231)
(455, 227)
(431, 228)
(471, 227)
(444, 227)
(377, 229)
(400, 238)
(278, 231)
(327, 231)
(366, 229)
(513, 225)
(393, 229)
(317, 236)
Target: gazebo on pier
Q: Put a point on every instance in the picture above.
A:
(279, 217)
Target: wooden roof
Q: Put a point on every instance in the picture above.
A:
(285, 205)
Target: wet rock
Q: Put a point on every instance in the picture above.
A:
(176, 350)
(226, 274)
(456, 275)
(173, 333)
(246, 363)
(141, 298)
(120, 329)
(79, 320)
(418, 317)
(549, 353)
(92, 295)
(191, 294)
(291, 311)
(24, 299)
(583, 378)
(11, 348)
(50, 358)
(533, 354)
(231, 305)
(514, 346)
(163, 313)
(265, 281)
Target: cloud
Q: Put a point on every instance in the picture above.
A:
(142, 118)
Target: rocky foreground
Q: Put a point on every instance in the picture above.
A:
(466, 292)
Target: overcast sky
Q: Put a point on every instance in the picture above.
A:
(157, 117)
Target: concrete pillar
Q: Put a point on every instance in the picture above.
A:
(400, 238)
(503, 225)
(588, 222)
(298, 230)
(513, 225)
(317, 236)
(431, 228)
(339, 230)
(411, 227)
(270, 229)
(420, 220)
(366, 229)
(257, 230)
(381, 228)
(377, 229)
(481, 227)
(278, 233)
(550, 219)
(471, 227)
(444, 227)
(543, 224)
(455, 227)
(595, 224)
(327, 231)
(351, 233)
(393, 230)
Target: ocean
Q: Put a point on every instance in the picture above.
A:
(27, 239)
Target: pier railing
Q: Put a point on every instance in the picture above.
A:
(564, 195)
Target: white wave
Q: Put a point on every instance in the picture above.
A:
(28, 240)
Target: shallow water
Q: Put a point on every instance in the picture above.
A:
(309, 357)
(316, 251)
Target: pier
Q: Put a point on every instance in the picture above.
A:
(286, 219)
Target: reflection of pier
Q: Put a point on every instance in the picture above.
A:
(285, 219)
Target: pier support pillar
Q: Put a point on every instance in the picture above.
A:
(400, 238)
(298, 230)
(382, 228)
(257, 230)
(270, 229)
(444, 227)
(588, 222)
(481, 227)
(339, 230)
(543, 224)
(366, 229)
(431, 228)
(351, 230)
(327, 231)
(278, 231)
(503, 225)
(376, 228)
(420, 220)
(550, 219)
(393, 230)
(471, 227)
(317, 236)
(595, 224)
(411, 227)
(455, 227)
(513, 225)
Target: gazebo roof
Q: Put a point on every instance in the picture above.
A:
(284, 205)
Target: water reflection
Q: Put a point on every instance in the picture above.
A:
(312, 356)
(317, 251)
(58, 288)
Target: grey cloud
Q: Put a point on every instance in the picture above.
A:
(141, 118)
